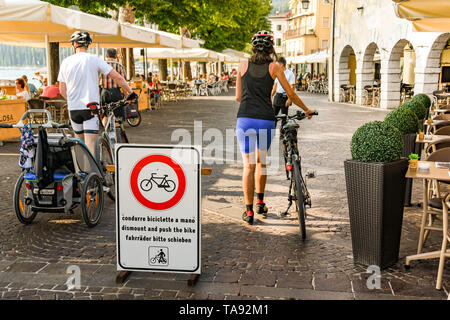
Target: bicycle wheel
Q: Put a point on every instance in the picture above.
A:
(92, 200)
(134, 122)
(146, 185)
(103, 155)
(170, 186)
(23, 211)
(299, 201)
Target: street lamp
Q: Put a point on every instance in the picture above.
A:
(305, 4)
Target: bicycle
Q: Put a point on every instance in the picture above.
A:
(298, 191)
(168, 185)
(113, 132)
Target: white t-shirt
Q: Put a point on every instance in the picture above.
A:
(80, 73)
(290, 78)
(23, 95)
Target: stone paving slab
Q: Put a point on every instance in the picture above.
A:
(264, 261)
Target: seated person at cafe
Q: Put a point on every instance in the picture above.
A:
(32, 90)
(52, 92)
(21, 92)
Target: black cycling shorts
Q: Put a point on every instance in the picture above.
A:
(84, 121)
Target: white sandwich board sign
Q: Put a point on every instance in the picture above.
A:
(158, 208)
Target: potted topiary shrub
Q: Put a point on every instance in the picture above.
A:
(407, 123)
(375, 180)
(425, 99)
(416, 106)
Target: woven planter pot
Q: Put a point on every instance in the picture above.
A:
(409, 141)
(376, 193)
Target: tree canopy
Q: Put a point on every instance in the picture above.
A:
(221, 23)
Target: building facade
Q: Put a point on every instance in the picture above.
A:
(371, 42)
(279, 23)
(308, 29)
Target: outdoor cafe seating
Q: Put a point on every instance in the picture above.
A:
(57, 108)
(436, 196)
(407, 92)
(371, 96)
(347, 93)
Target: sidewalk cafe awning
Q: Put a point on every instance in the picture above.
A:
(318, 57)
(235, 53)
(39, 22)
(196, 54)
(426, 15)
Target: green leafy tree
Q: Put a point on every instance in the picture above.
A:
(221, 23)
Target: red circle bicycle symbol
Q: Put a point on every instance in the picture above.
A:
(135, 185)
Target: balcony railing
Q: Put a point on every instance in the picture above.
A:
(296, 33)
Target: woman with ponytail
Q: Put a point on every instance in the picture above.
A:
(255, 125)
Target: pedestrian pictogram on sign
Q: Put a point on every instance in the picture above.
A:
(158, 208)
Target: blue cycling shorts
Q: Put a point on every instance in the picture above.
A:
(253, 133)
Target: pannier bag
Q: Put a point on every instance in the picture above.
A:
(131, 111)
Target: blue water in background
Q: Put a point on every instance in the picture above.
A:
(16, 72)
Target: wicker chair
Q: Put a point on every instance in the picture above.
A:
(434, 199)
(344, 93)
(367, 98)
(376, 97)
(38, 118)
(59, 111)
(172, 92)
(438, 145)
(438, 126)
(444, 131)
(439, 100)
(445, 253)
(442, 116)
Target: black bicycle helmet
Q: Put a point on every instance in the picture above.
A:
(262, 40)
(81, 37)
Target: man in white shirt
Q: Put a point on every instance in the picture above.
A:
(78, 83)
(281, 101)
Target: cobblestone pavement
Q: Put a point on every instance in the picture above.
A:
(264, 261)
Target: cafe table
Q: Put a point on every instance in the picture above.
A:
(431, 138)
(433, 173)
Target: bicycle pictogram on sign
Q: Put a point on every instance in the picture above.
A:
(164, 183)
(141, 184)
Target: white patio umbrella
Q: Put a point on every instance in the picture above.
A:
(31, 22)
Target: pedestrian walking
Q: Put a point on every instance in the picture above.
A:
(78, 83)
(256, 117)
(281, 101)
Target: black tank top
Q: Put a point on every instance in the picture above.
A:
(257, 87)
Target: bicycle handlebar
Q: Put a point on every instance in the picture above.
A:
(300, 115)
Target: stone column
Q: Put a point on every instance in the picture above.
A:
(390, 87)
(342, 77)
(428, 69)
(364, 77)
